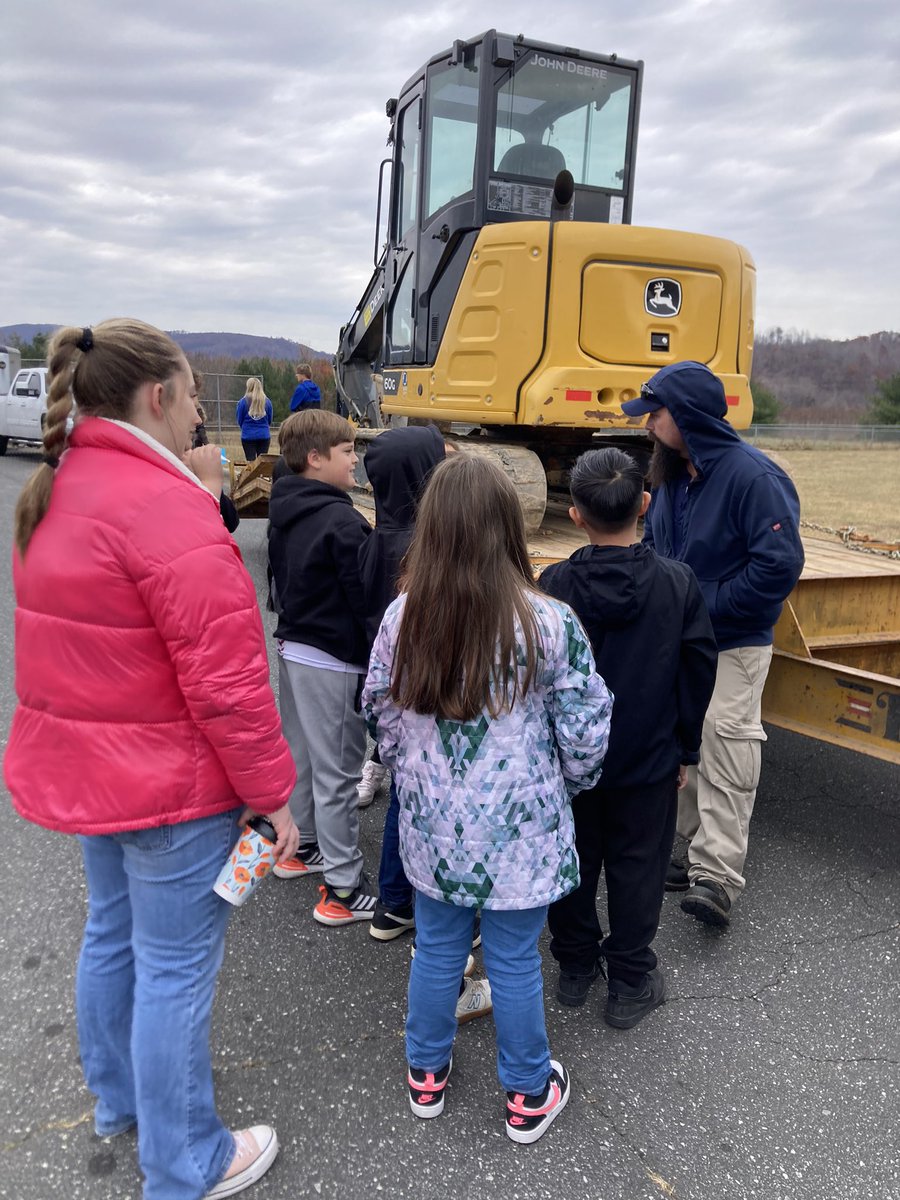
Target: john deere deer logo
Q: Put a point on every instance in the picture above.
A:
(662, 298)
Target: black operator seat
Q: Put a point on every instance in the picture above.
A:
(533, 158)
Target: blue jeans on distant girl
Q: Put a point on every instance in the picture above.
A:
(394, 889)
(512, 963)
(152, 949)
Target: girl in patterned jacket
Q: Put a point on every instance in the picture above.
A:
(484, 701)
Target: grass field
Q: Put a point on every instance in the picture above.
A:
(847, 485)
(839, 485)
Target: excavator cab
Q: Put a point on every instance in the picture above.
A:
(513, 301)
(495, 130)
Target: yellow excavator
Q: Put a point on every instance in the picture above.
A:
(511, 300)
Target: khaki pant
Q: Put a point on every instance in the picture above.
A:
(714, 809)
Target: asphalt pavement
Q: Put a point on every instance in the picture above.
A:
(770, 1074)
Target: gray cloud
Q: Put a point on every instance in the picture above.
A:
(214, 165)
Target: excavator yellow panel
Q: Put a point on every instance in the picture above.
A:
(615, 324)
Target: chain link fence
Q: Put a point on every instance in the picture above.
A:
(851, 434)
(219, 396)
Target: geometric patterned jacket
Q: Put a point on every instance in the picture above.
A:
(485, 813)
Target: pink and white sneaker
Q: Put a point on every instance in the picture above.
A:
(529, 1117)
(426, 1090)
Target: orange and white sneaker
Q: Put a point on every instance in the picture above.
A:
(334, 909)
(254, 1153)
(529, 1117)
(307, 861)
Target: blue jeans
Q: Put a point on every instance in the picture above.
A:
(152, 948)
(394, 889)
(512, 963)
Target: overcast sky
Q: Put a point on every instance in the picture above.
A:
(212, 165)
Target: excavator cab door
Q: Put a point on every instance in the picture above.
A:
(400, 268)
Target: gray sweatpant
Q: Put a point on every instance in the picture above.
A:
(328, 741)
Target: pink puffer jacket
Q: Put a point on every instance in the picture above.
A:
(141, 668)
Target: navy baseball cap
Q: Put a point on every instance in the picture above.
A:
(643, 404)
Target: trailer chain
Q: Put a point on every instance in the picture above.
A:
(846, 535)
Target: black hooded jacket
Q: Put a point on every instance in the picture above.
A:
(398, 463)
(654, 646)
(315, 535)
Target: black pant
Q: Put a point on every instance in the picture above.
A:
(255, 446)
(628, 832)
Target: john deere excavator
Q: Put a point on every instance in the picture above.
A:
(511, 295)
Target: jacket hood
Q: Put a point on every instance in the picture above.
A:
(398, 462)
(295, 498)
(696, 399)
(610, 584)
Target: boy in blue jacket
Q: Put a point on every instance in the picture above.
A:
(306, 393)
(724, 508)
(653, 644)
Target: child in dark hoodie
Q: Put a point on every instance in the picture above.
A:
(398, 463)
(315, 535)
(653, 644)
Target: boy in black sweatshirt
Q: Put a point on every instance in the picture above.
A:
(654, 645)
(315, 536)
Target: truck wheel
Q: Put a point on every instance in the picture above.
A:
(4, 442)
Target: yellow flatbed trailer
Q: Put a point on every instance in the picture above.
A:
(835, 674)
(836, 670)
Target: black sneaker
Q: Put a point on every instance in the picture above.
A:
(626, 1005)
(307, 861)
(573, 989)
(333, 909)
(708, 902)
(426, 1090)
(390, 923)
(476, 933)
(677, 877)
(529, 1117)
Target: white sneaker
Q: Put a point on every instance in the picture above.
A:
(373, 776)
(475, 1000)
(254, 1153)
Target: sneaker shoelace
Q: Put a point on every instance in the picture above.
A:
(242, 1150)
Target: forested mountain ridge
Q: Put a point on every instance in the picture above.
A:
(813, 380)
(817, 380)
(231, 346)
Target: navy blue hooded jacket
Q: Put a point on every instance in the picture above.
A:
(398, 463)
(653, 645)
(306, 395)
(741, 526)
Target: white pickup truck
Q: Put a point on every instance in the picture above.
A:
(23, 407)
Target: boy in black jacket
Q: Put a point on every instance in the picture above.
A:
(654, 645)
(315, 535)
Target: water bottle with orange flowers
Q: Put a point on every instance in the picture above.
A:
(251, 859)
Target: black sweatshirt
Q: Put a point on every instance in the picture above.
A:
(654, 646)
(398, 463)
(315, 535)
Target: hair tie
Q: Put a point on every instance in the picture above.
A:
(86, 341)
(51, 460)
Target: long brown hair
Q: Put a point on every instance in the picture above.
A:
(100, 369)
(467, 581)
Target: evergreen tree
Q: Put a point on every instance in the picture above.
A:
(885, 408)
(36, 349)
(765, 406)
